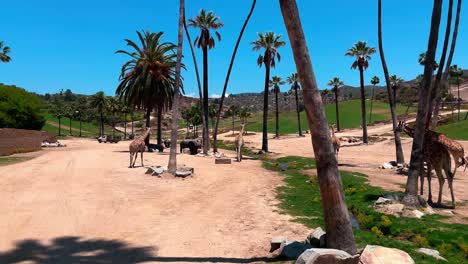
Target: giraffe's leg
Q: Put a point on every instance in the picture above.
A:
(429, 179)
(441, 184)
(141, 159)
(131, 157)
(135, 156)
(240, 153)
(450, 183)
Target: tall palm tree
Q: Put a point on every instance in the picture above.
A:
(114, 107)
(374, 81)
(456, 74)
(293, 79)
(4, 50)
(223, 94)
(233, 111)
(206, 21)
(362, 53)
(99, 101)
(275, 82)
(395, 83)
(411, 191)
(270, 42)
(422, 61)
(336, 83)
(335, 211)
(147, 80)
(454, 40)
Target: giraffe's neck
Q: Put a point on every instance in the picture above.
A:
(241, 133)
(143, 137)
(408, 130)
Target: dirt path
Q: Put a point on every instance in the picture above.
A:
(82, 203)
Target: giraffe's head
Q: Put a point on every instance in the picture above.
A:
(400, 126)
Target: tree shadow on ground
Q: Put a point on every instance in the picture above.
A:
(71, 249)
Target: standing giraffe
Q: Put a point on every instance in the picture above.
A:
(138, 145)
(436, 152)
(335, 140)
(239, 142)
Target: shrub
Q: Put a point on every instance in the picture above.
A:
(420, 241)
(20, 109)
(376, 231)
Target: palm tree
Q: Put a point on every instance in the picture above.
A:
(233, 111)
(69, 111)
(293, 79)
(125, 109)
(456, 74)
(336, 216)
(99, 101)
(205, 21)
(411, 191)
(270, 42)
(244, 113)
(395, 83)
(114, 107)
(212, 112)
(57, 110)
(362, 53)
(147, 80)
(335, 83)
(223, 95)
(422, 61)
(375, 80)
(275, 82)
(4, 50)
(172, 164)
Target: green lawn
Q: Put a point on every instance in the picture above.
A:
(456, 130)
(300, 197)
(10, 160)
(87, 129)
(350, 117)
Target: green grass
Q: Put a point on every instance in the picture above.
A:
(300, 197)
(11, 160)
(87, 129)
(455, 130)
(350, 117)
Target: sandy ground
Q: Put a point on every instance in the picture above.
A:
(225, 213)
(81, 204)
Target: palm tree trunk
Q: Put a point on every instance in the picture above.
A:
(363, 106)
(277, 116)
(398, 148)
(60, 126)
(371, 104)
(436, 91)
(206, 134)
(223, 95)
(297, 110)
(172, 165)
(125, 126)
(148, 124)
(423, 109)
(337, 109)
(458, 100)
(265, 107)
(133, 127)
(337, 220)
(159, 138)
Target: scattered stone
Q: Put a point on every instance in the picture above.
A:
(223, 161)
(431, 252)
(403, 171)
(52, 145)
(393, 163)
(284, 166)
(219, 155)
(391, 209)
(383, 255)
(412, 213)
(276, 243)
(316, 238)
(386, 166)
(326, 256)
(428, 210)
(183, 171)
(392, 196)
(422, 200)
(293, 249)
(383, 200)
(156, 171)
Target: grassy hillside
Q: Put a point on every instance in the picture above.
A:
(457, 130)
(87, 129)
(350, 117)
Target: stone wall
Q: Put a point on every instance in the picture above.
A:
(21, 140)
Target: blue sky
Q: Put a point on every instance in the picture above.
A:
(70, 44)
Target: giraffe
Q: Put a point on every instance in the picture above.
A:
(436, 154)
(335, 141)
(239, 142)
(138, 145)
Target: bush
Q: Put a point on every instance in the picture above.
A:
(20, 109)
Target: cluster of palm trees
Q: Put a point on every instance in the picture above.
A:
(4, 50)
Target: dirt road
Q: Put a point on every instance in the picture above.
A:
(76, 201)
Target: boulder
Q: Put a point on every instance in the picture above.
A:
(383, 200)
(276, 242)
(412, 213)
(326, 256)
(316, 238)
(431, 252)
(386, 166)
(382, 255)
(292, 249)
(392, 196)
(391, 209)
(219, 155)
(184, 171)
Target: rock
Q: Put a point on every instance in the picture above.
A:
(422, 200)
(156, 171)
(383, 200)
(393, 163)
(219, 155)
(184, 171)
(412, 213)
(284, 166)
(276, 242)
(293, 249)
(326, 256)
(391, 209)
(386, 166)
(316, 238)
(431, 252)
(383, 255)
(428, 210)
(392, 196)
